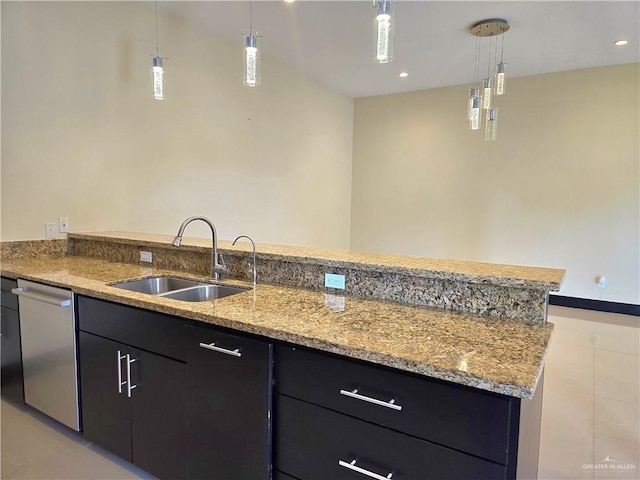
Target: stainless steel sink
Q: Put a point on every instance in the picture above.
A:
(202, 293)
(179, 288)
(156, 285)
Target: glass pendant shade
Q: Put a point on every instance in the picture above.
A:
(500, 78)
(473, 94)
(491, 127)
(251, 61)
(486, 93)
(383, 32)
(158, 79)
(474, 115)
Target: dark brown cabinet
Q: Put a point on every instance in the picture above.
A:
(344, 419)
(133, 400)
(10, 350)
(229, 388)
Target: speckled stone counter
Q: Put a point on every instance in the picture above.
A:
(498, 291)
(494, 354)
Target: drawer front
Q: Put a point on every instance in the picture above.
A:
(450, 415)
(8, 299)
(154, 332)
(313, 443)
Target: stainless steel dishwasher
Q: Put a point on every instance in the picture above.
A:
(48, 335)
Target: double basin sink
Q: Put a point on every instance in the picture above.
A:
(180, 288)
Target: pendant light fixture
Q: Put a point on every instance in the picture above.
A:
(157, 70)
(481, 93)
(383, 31)
(250, 55)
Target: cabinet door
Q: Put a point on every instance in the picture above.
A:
(12, 386)
(106, 412)
(158, 415)
(229, 406)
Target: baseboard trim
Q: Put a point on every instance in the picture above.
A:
(597, 305)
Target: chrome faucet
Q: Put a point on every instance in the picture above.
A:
(216, 268)
(255, 272)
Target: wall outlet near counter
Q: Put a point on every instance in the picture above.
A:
(332, 280)
(63, 224)
(146, 256)
(50, 230)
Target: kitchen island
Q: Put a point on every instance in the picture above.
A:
(494, 352)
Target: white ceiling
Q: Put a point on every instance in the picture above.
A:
(332, 41)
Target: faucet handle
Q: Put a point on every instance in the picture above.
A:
(221, 267)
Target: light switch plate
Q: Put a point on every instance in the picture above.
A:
(146, 256)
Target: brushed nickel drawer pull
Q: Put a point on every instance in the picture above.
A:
(120, 382)
(354, 394)
(352, 466)
(212, 346)
(130, 386)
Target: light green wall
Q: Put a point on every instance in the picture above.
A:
(560, 187)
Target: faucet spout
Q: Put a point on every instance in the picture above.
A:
(217, 264)
(255, 271)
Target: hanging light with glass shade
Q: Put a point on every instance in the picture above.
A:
(501, 70)
(157, 69)
(475, 98)
(250, 55)
(481, 93)
(383, 31)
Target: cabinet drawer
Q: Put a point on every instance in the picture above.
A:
(8, 299)
(313, 443)
(454, 416)
(154, 332)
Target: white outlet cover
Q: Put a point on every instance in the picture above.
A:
(49, 230)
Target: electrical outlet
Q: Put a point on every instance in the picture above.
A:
(332, 280)
(49, 230)
(146, 256)
(602, 281)
(63, 224)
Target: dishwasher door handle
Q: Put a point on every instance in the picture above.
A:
(39, 297)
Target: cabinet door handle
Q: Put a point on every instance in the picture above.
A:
(129, 385)
(212, 346)
(120, 382)
(354, 394)
(352, 466)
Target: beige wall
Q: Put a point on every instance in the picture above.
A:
(560, 188)
(82, 136)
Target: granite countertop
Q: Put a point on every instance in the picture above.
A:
(548, 279)
(499, 355)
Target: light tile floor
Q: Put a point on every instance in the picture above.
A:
(591, 402)
(590, 419)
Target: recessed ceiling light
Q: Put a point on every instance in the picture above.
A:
(289, 1)
(620, 43)
(403, 75)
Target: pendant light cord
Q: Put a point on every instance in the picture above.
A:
(157, 48)
(475, 61)
(251, 17)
